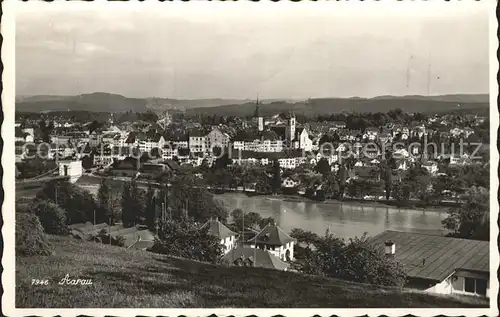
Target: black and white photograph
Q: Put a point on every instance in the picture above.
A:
(250, 158)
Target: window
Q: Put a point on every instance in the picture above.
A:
(469, 285)
(481, 287)
(476, 286)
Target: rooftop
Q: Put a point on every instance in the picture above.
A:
(272, 235)
(442, 255)
(218, 229)
(260, 258)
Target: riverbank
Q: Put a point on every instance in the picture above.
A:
(358, 203)
(93, 180)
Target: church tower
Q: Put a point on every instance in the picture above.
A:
(290, 128)
(257, 115)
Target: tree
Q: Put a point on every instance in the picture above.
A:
(184, 239)
(52, 217)
(87, 162)
(342, 180)
(94, 125)
(132, 204)
(150, 210)
(471, 219)
(79, 204)
(186, 194)
(323, 167)
(400, 191)
(263, 222)
(354, 260)
(30, 238)
(250, 220)
(222, 162)
(276, 180)
(387, 178)
(105, 211)
(305, 237)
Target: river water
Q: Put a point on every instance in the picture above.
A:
(344, 220)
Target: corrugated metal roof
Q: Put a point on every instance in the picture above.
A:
(442, 255)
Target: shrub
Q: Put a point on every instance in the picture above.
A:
(30, 238)
(353, 260)
(52, 217)
(184, 239)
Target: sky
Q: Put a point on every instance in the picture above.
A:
(239, 51)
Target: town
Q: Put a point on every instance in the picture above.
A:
(161, 167)
(158, 157)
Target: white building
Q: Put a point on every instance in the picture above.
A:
(217, 138)
(439, 264)
(226, 236)
(274, 240)
(431, 167)
(197, 142)
(290, 128)
(302, 140)
(73, 169)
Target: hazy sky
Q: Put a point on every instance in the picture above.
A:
(167, 51)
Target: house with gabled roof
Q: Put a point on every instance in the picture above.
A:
(439, 264)
(273, 239)
(219, 230)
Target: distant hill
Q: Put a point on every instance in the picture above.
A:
(468, 98)
(106, 102)
(422, 104)
(97, 102)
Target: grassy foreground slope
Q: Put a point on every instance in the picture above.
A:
(140, 279)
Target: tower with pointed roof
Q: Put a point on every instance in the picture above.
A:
(290, 127)
(257, 115)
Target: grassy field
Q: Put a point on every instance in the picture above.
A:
(140, 279)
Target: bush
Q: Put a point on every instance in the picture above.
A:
(52, 217)
(354, 260)
(185, 240)
(30, 238)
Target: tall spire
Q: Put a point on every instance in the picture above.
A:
(257, 112)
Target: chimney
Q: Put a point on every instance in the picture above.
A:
(390, 248)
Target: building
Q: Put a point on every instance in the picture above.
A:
(197, 142)
(169, 151)
(217, 138)
(290, 128)
(219, 230)
(22, 136)
(73, 169)
(302, 140)
(257, 115)
(273, 239)
(371, 133)
(95, 138)
(252, 257)
(431, 167)
(289, 182)
(439, 264)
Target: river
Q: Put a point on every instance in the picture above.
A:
(344, 220)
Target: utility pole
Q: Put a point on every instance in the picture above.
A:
(93, 227)
(109, 231)
(255, 253)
